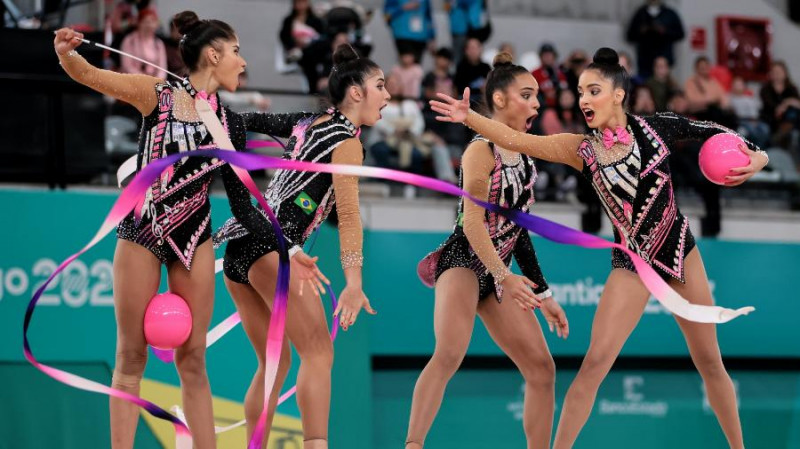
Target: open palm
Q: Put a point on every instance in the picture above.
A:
(450, 109)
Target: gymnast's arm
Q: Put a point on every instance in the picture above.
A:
(351, 238)
(138, 90)
(672, 127)
(560, 148)
(525, 255)
(278, 125)
(477, 164)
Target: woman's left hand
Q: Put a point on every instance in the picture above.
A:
(351, 300)
(757, 162)
(555, 316)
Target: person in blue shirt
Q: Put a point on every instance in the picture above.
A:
(412, 26)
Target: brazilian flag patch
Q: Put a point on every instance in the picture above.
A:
(460, 221)
(306, 203)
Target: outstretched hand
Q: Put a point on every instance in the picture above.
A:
(450, 109)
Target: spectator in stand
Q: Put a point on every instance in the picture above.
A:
(575, 65)
(408, 75)
(747, 108)
(317, 61)
(626, 62)
(472, 71)
(143, 43)
(507, 47)
(565, 117)
(781, 106)
(549, 76)
(412, 25)
(299, 30)
(654, 29)
(707, 99)
(468, 18)
(642, 102)
(440, 79)
(662, 85)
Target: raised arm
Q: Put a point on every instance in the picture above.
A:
(138, 90)
(560, 148)
(477, 165)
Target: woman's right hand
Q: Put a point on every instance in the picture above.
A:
(450, 109)
(520, 289)
(67, 40)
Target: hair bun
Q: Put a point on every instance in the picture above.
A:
(606, 56)
(502, 59)
(186, 21)
(344, 53)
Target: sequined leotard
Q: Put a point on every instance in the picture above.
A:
(176, 213)
(302, 200)
(633, 181)
(510, 182)
(176, 210)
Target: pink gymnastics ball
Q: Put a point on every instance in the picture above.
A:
(720, 154)
(167, 321)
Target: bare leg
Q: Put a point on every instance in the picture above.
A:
(307, 329)
(137, 273)
(704, 348)
(197, 288)
(620, 309)
(518, 333)
(453, 321)
(255, 320)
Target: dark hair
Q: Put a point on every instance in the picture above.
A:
(782, 64)
(502, 75)
(606, 61)
(700, 59)
(309, 11)
(575, 109)
(348, 70)
(640, 90)
(197, 34)
(444, 52)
